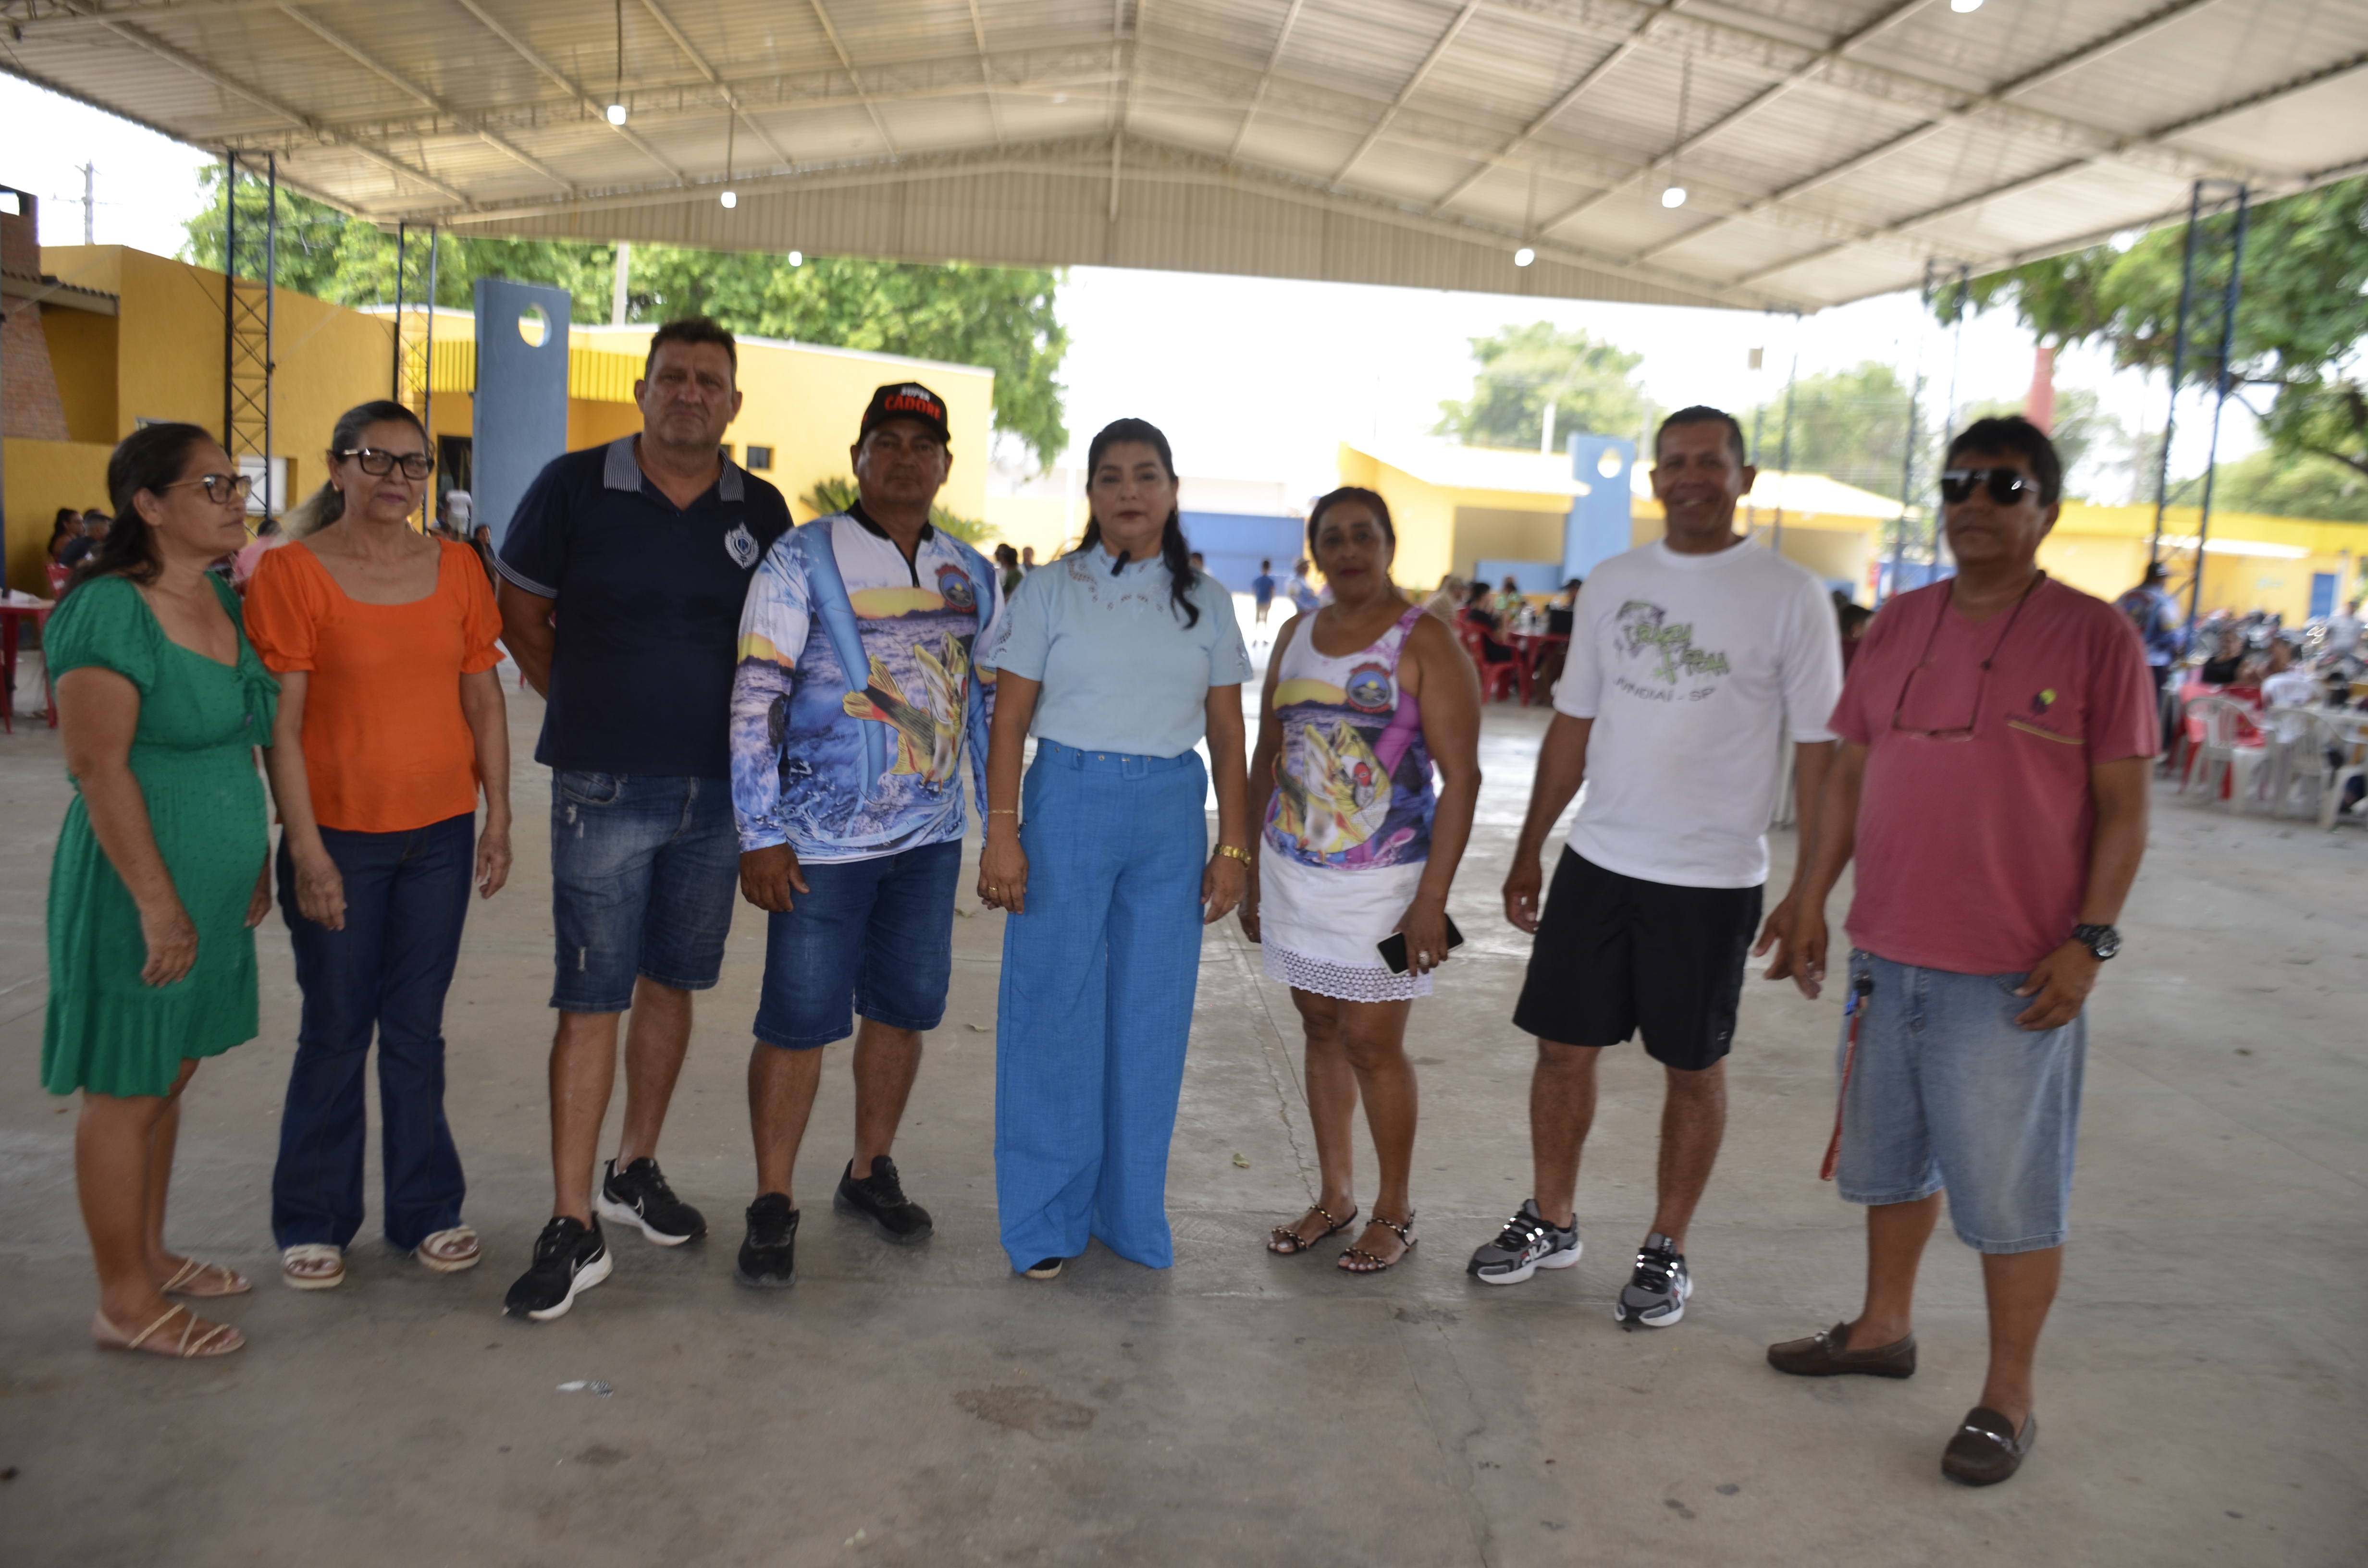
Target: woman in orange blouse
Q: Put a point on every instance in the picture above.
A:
(382, 639)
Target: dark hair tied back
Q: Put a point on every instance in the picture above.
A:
(150, 458)
(1172, 547)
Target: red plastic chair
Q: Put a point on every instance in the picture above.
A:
(1499, 680)
(58, 575)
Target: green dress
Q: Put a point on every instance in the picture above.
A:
(107, 1030)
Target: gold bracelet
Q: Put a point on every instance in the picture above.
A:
(1241, 855)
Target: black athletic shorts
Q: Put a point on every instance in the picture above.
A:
(1615, 954)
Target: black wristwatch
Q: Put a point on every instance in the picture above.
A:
(2102, 940)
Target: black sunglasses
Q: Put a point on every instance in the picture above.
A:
(377, 462)
(2007, 485)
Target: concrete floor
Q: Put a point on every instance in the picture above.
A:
(2201, 1381)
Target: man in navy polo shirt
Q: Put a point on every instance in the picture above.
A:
(622, 577)
(857, 715)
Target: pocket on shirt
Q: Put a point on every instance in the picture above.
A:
(2024, 726)
(590, 788)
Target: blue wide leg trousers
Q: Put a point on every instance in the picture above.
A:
(1099, 976)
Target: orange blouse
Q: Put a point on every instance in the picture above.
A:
(386, 746)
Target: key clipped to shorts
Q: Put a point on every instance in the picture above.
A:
(1861, 987)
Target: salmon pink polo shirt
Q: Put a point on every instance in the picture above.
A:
(1973, 850)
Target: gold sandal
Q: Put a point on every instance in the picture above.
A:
(1286, 1241)
(219, 1339)
(193, 1278)
(1357, 1260)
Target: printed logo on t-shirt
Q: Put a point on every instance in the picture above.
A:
(741, 545)
(1665, 651)
(953, 587)
(1369, 689)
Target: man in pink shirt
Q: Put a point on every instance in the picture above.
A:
(1998, 735)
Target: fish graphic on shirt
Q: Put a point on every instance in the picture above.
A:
(1339, 797)
(930, 734)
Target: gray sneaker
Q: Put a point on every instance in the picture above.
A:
(1526, 1244)
(1655, 1296)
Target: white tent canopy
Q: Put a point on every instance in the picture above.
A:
(1827, 149)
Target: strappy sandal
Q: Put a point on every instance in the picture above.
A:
(1284, 1241)
(219, 1338)
(206, 1279)
(312, 1266)
(448, 1252)
(1357, 1260)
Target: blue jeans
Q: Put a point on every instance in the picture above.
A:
(644, 870)
(874, 937)
(1949, 1091)
(407, 895)
(1097, 1002)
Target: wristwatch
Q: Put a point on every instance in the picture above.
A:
(2102, 940)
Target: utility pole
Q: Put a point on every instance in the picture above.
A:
(89, 203)
(617, 296)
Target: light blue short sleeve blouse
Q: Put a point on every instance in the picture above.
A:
(1121, 670)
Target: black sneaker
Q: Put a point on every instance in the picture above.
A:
(639, 1196)
(879, 1201)
(768, 1258)
(1655, 1294)
(569, 1259)
(1526, 1244)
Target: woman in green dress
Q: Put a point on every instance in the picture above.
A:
(162, 869)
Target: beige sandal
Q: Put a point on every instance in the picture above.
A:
(206, 1279)
(218, 1338)
(448, 1252)
(312, 1266)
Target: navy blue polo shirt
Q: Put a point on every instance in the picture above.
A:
(648, 597)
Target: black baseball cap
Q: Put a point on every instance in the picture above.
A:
(906, 399)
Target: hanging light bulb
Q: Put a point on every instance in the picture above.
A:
(617, 114)
(1523, 256)
(731, 198)
(796, 258)
(1963, 7)
(1674, 197)
(617, 98)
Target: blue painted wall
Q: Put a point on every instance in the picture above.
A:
(1234, 542)
(1598, 524)
(1529, 577)
(521, 404)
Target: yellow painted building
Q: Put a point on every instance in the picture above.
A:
(159, 357)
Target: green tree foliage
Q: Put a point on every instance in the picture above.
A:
(2278, 485)
(838, 493)
(1847, 425)
(999, 317)
(1522, 368)
(2300, 321)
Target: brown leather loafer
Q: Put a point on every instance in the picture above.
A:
(1829, 1355)
(1986, 1449)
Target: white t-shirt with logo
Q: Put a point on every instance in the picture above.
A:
(1694, 668)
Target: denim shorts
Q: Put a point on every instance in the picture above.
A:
(644, 870)
(871, 936)
(1949, 1092)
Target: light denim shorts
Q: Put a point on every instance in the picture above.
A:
(1949, 1093)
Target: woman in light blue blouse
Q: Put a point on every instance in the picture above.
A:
(1118, 657)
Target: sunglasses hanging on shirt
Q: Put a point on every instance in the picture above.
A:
(2007, 485)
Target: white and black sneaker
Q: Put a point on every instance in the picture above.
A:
(1526, 1244)
(1655, 1296)
(569, 1259)
(639, 1196)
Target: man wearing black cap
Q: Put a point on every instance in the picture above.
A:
(856, 714)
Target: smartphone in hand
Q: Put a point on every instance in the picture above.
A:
(1393, 948)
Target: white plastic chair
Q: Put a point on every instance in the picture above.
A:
(2296, 738)
(2223, 755)
(2348, 735)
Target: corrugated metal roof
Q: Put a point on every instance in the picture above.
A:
(1829, 148)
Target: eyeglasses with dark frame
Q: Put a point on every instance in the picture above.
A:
(220, 488)
(2007, 485)
(1981, 682)
(377, 462)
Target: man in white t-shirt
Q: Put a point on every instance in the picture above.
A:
(1691, 661)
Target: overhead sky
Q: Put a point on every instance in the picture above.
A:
(1252, 378)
